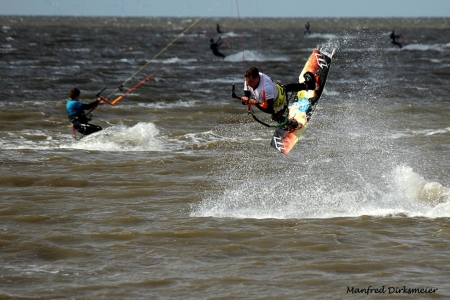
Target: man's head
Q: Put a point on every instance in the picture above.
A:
(74, 93)
(252, 77)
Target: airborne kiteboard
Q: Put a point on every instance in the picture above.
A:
(303, 104)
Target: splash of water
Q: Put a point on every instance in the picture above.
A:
(140, 137)
(410, 194)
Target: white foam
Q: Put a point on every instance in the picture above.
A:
(251, 55)
(230, 35)
(431, 131)
(165, 105)
(425, 47)
(140, 137)
(176, 60)
(321, 36)
(407, 193)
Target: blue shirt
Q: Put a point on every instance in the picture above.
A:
(74, 107)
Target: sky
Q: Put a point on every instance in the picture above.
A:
(229, 8)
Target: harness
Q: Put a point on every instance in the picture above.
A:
(279, 101)
(281, 98)
(77, 114)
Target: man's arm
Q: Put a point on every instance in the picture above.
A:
(86, 106)
(266, 106)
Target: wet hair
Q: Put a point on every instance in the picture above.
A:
(74, 93)
(251, 72)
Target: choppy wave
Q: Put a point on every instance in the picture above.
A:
(167, 105)
(408, 194)
(251, 55)
(121, 210)
(321, 36)
(432, 131)
(140, 137)
(426, 47)
(176, 60)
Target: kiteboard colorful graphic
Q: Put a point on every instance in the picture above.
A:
(304, 103)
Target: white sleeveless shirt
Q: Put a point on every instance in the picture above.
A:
(265, 84)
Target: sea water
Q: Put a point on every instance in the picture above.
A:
(181, 195)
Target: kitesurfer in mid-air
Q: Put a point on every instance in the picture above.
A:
(394, 36)
(77, 116)
(214, 46)
(270, 97)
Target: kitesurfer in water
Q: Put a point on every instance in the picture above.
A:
(214, 46)
(394, 36)
(270, 97)
(77, 116)
(218, 28)
(307, 31)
